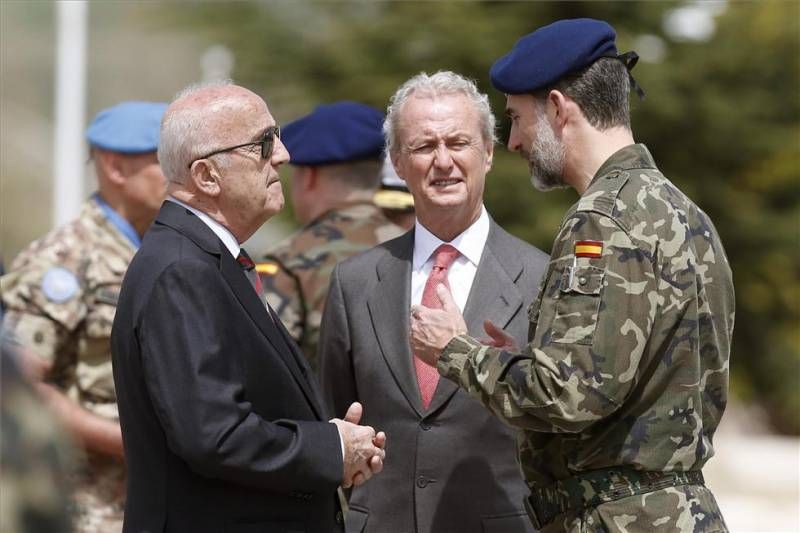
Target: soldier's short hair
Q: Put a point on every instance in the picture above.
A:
(601, 90)
(360, 175)
(443, 83)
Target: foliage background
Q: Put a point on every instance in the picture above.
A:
(721, 118)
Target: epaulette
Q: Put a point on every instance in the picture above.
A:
(603, 193)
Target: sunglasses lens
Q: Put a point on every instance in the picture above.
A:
(269, 141)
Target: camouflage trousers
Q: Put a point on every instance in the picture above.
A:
(99, 496)
(626, 501)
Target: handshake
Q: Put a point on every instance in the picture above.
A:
(364, 450)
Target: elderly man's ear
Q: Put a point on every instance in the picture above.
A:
(489, 156)
(205, 177)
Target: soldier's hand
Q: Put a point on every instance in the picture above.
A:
(498, 338)
(431, 329)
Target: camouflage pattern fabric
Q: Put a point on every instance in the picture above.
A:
(68, 323)
(627, 361)
(296, 273)
(35, 459)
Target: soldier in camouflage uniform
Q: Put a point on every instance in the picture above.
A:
(393, 198)
(336, 154)
(625, 377)
(35, 456)
(61, 295)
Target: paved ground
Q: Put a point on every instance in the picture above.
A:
(754, 475)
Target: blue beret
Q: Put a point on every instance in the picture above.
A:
(335, 133)
(543, 57)
(127, 128)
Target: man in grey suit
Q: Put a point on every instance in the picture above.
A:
(455, 467)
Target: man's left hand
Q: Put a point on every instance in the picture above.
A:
(432, 329)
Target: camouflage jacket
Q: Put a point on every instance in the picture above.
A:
(35, 457)
(296, 273)
(68, 323)
(61, 295)
(627, 360)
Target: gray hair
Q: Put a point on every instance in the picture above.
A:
(443, 83)
(185, 134)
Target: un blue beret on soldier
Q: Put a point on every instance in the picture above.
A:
(543, 57)
(127, 128)
(335, 133)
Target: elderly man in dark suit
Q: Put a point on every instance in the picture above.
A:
(223, 427)
(455, 466)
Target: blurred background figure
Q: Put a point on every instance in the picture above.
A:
(336, 158)
(35, 457)
(61, 295)
(393, 197)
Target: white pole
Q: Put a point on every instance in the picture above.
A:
(69, 153)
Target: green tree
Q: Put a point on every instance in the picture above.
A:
(721, 117)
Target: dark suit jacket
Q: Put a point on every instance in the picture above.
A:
(223, 427)
(452, 468)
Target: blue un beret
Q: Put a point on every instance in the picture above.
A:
(543, 57)
(335, 133)
(127, 128)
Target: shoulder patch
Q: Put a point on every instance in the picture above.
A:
(269, 269)
(59, 285)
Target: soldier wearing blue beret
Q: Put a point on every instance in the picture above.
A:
(336, 157)
(624, 379)
(61, 295)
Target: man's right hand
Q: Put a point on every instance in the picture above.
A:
(363, 448)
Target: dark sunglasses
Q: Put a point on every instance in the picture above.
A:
(267, 143)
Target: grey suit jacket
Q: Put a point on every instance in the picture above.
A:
(453, 467)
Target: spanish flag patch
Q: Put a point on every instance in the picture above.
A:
(267, 268)
(589, 249)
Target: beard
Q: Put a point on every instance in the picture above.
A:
(546, 158)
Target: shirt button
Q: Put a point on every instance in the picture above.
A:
(422, 482)
(582, 280)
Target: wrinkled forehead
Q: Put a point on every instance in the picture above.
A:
(438, 113)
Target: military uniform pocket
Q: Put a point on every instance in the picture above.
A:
(578, 304)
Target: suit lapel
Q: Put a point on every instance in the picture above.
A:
(493, 296)
(189, 225)
(254, 307)
(302, 362)
(389, 306)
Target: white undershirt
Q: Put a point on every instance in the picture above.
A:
(461, 273)
(221, 231)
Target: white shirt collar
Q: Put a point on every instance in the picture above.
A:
(469, 243)
(221, 231)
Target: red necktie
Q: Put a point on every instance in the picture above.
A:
(249, 266)
(443, 257)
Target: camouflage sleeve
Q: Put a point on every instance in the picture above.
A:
(45, 305)
(283, 293)
(592, 320)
